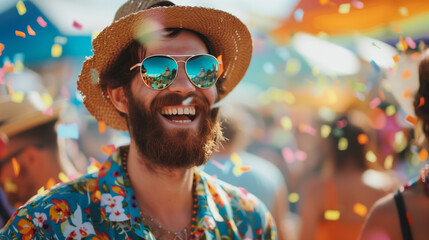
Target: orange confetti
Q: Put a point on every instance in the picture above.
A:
(396, 29)
(362, 139)
(30, 31)
(404, 45)
(336, 82)
(406, 74)
(245, 168)
(1, 48)
(51, 182)
(423, 155)
(360, 209)
(101, 126)
(407, 92)
(219, 60)
(411, 119)
(108, 150)
(410, 220)
(422, 102)
(382, 96)
(16, 167)
(396, 58)
(19, 33)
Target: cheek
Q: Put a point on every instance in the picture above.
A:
(210, 94)
(142, 93)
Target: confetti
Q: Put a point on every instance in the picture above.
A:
(300, 155)
(357, 86)
(343, 144)
(299, 15)
(411, 119)
(305, 128)
(286, 123)
(16, 167)
(342, 124)
(47, 99)
(325, 130)
(17, 97)
(388, 162)
(390, 110)
(20, 6)
(68, 131)
(77, 25)
(41, 21)
(41, 190)
(423, 155)
(288, 155)
(375, 103)
(109, 149)
(371, 157)
(101, 127)
(360, 209)
(19, 34)
(344, 8)
(362, 139)
(407, 92)
(357, 4)
(403, 11)
(406, 74)
(400, 141)
(56, 50)
(323, 2)
(293, 197)
(396, 58)
(332, 215)
(381, 94)
(48, 111)
(410, 42)
(51, 182)
(9, 186)
(293, 66)
(63, 177)
(288, 97)
(375, 66)
(401, 45)
(30, 31)
(1, 48)
(421, 102)
(220, 62)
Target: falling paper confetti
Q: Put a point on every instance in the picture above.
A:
(410, 42)
(21, 8)
(375, 102)
(77, 25)
(375, 66)
(20, 34)
(299, 15)
(362, 139)
(17, 97)
(300, 155)
(421, 102)
(388, 162)
(293, 197)
(390, 110)
(325, 130)
(341, 123)
(1, 48)
(30, 31)
(101, 127)
(411, 119)
(9, 186)
(360, 209)
(396, 58)
(343, 144)
(423, 155)
(371, 157)
(16, 167)
(305, 128)
(332, 215)
(286, 123)
(109, 149)
(293, 66)
(344, 8)
(63, 177)
(68, 131)
(51, 182)
(41, 21)
(407, 92)
(288, 155)
(382, 96)
(406, 74)
(357, 4)
(48, 111)
(56, 50)
(401, 45)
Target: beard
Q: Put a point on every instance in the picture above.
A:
(177, 148)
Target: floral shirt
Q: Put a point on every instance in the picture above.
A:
(102, 205)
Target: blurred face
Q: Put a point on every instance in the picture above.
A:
(174, 127)
(15, 178)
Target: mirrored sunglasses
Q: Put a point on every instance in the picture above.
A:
(159, 71)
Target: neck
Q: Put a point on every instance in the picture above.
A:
(166, 195)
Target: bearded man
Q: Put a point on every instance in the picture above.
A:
(151, 189)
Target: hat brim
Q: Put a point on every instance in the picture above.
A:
(227, 35)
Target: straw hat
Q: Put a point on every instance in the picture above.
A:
(228, 36)
(19, 116)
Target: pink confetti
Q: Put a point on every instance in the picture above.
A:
(342, 123)
(357, 4)
(288, 155)
(65, 93)
(375, 102)
(217, 164)
(77, 25)
(41, 22)
(300, 155)
(391, 70)
(410, 42)
(307, 129)
(48, 111)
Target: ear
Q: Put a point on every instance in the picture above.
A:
(118, 99)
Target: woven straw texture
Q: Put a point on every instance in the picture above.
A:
(228, 36)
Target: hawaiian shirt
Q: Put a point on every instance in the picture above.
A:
(102, 205)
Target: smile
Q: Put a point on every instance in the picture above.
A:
(179, 114)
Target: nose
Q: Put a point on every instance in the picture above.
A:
(182, 84)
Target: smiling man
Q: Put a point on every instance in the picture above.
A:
(151, 189)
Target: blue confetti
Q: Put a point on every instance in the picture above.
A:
(299, 15)
(375, 66)
(68, 131)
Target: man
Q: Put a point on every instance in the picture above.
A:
(29, 153)
(150, 189)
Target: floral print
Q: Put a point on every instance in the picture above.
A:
(102, 206)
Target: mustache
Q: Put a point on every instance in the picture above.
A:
(177, 99)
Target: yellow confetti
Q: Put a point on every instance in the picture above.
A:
(101, 126)
(288, 97)
(63, 177)
(20, 6)
(41, 190)
(16, 167)
(286, 123)
(400, 142)
(56, 50)
(31, 31)
(388, 162)
(235, 158)
(343, 144)
(20, 34)
(9, 186)
(423, 155)
(360, 209)
(323, 2)
(390, 110)
(293, 197)
(325, 130)
(293, 66)
(332, 97)
(17, 97)
(344, 8)
(332, 215)
(47, 99)
(51, 182)
(371, 157)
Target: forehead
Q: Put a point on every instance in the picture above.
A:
(182, 43)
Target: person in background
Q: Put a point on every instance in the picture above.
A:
(151, 188)
(334, 206)
(404, 214)
(234, 165)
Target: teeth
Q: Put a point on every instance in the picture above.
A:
(182, 121)
(179, 111)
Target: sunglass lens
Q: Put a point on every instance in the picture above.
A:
(158, 72)
(202, 70)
